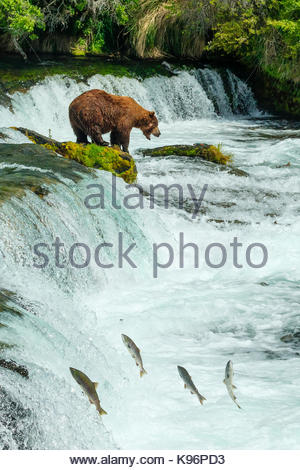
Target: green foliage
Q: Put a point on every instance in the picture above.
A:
(20, 18)
(121, 14)
(91, 36)
(237, 27)
(97, 25)
(260, 32)
(81, 5)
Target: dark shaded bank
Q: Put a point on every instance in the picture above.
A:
(277, 96)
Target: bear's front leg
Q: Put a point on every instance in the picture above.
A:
(96, 135)
(125, 146)
(124, 140)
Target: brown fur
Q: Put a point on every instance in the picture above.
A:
(96, 112)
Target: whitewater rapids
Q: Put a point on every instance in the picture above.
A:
(196, 318)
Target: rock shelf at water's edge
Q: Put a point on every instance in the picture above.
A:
(108, 158)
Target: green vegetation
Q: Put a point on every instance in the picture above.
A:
(20, 18)
(263, 35)
(204, 151)
(95, 24)
(106, 158)
(103, 158)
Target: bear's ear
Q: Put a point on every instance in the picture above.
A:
(151, 113)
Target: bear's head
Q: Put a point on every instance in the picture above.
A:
(149, 125)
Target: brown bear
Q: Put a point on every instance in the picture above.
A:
(96, 112)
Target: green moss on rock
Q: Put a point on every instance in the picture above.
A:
(111, 159)
(204, 151)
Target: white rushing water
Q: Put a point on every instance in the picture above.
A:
(198, 318)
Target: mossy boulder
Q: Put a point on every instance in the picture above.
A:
(204, 151)
(111, 159)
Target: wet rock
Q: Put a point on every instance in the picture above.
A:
(40, 191)
(13, 366)
(3, 136)
(35, 156)
(229, 222)
(201, 151)
(4, 346)
(15, 182)
(6, 299)
(291, 338)
(272, 354)
(10, 304)
(234, 171)
(287, 165)
(5, 100)
(107, 158)
(11, 310)
(204, 151)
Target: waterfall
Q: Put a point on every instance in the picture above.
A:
(194, 94)
(212, 82)
(199, 317)
(241, 95)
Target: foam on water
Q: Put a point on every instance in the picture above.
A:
(198, 318)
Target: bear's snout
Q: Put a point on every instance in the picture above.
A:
(156, 132)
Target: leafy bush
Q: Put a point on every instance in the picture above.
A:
(94, 22)
(20, 18)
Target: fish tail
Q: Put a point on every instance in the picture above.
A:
(201, 398)
(102, 412)
(142, 372)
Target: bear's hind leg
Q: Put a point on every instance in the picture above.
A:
(120, 138)
(96, 136)
(81, 136)
(115, 138)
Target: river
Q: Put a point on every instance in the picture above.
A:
(196, 317)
